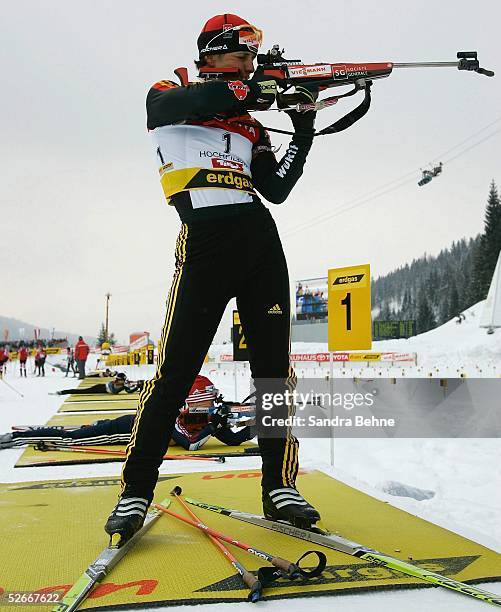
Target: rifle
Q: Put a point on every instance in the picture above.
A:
(235, 411)
(321, 76)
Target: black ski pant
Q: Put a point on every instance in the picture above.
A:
(70, 366)
(105, 431)
(40, 366)
(239, 256)
(99, 388)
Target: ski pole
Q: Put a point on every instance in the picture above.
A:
(44, 445)
(11, 387)
(360, 551)
(291, 569)
(248, 579)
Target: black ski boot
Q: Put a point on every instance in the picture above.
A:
(286, 504)
(126, 518)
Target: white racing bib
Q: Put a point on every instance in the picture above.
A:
(212, 163)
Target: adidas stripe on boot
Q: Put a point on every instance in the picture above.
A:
(287, 504)
(126, 518)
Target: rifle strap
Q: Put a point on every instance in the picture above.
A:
(338, 126)
(352, 117)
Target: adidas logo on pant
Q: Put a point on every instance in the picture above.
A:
(275, 310)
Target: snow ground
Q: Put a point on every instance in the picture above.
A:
(463, 474)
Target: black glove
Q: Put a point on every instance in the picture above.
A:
(308, 93)
(219, 418)
(263, 90)
(304, 122)
(303, 94)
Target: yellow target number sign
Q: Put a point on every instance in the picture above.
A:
(240, 351)
(349, 308)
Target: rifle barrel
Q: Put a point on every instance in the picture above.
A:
(427, 65)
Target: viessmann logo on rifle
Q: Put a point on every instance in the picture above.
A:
(348, 280)
(320, 70)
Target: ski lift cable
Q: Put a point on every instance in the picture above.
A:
(367, 197)
(442, 155)
(345, 208)
(475, 144)
(456, 146)
(411, 173)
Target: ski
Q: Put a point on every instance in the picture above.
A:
(329, 540)
(97, 570)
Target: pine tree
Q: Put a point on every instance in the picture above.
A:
(443, 314)
(468, 290)
(102, 336)
(425, 316)
(387, 311)
(410, 307)
(490, 243)
(453, 301)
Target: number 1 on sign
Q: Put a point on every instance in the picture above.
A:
(349, 323)
(347, 302)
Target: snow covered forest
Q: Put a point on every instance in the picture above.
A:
(434, 289)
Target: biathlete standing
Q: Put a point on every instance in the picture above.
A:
(214, 159)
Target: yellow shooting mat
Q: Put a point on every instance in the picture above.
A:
(101, 397)
(92, 380)
(35, 458)
(52, 530)
(92, 405)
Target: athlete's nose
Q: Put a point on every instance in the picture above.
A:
(249, 65)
